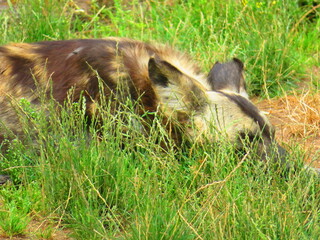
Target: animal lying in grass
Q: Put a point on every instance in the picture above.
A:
(159, 77)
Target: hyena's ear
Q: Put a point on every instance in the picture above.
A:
(228, 77)
(175, 89)
(161, 73)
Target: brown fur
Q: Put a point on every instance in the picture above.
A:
(25, 69)
(161, 78)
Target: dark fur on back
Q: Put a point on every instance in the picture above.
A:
(55, 67)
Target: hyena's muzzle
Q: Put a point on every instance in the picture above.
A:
(242, 121)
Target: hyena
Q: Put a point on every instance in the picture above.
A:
(160, 78)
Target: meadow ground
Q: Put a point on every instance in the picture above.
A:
(68, 185)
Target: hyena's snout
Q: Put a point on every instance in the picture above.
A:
(273, 153)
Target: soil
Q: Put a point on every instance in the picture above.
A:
(297, 121)
(41, 230)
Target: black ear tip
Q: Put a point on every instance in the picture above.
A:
(217, 63)
(152, 64)
(236, 59)
(215, 66)
(239, 62)
(152, 60)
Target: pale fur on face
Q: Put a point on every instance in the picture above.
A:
(223, 117)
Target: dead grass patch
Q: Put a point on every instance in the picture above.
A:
(297, 120)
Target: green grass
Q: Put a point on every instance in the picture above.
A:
(124, 186)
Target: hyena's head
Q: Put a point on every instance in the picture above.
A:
(215, 108)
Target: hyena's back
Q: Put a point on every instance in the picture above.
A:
(75, 63)
(56, 67)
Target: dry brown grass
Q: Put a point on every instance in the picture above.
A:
(297, 120)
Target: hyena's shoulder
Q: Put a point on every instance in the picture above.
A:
(136, 55)
(67, 64)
